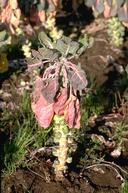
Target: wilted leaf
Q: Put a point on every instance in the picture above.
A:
(90, 3)
(123, 13)
(61, 101)
(99, 6)
(49, 91)
(69, 113)
(114, 8)
(120, 3)
(3, 3)
(40, 106)
(109, 2)
(107, 9)
(77, 78)
(51, 6)
(45, 40)
(72, 112)
(43, 112)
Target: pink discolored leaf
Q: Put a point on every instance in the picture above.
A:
(99, 6)
(107, 9)
(72, 112)
(60, 102)
(69, 113)
(43, 110)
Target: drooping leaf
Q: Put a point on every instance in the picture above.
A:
(61, 101)
(72, 112)
(109, 2)
(49, 91)
(90, 3)
(51, 6)
(123, 13)
(3, 3)
(42, 109)
(99, 6)
(45, 40)
(69, 113)
(43, 112)
(120, 3)
(77, 78)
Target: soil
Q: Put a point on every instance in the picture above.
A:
(38, 180)
(102, 178)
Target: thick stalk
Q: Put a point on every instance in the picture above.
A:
(61, 138)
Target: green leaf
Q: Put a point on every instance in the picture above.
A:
(3, 35)
(61, 46)
(74, 46)
(45, 40)
(46, 54)
(67, 46)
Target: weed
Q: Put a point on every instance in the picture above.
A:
(25, 135)
(91, 105)
(125, 187)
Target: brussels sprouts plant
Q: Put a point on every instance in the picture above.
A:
(110, 8)
(56, 94)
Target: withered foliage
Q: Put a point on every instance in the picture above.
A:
(60, 83)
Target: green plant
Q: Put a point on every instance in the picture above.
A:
(57, 91)
(110, 8)
(116, 31)
(119, 137)
(125, 187)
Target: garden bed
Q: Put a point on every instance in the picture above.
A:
(98, 164)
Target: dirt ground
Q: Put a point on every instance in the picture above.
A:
(38, 180)
(104, 63)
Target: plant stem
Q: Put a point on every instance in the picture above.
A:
(60, 137)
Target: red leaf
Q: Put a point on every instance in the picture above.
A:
(69, 113)
(60, 103)
(72, 112)
(44, 113)
(43, 110)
